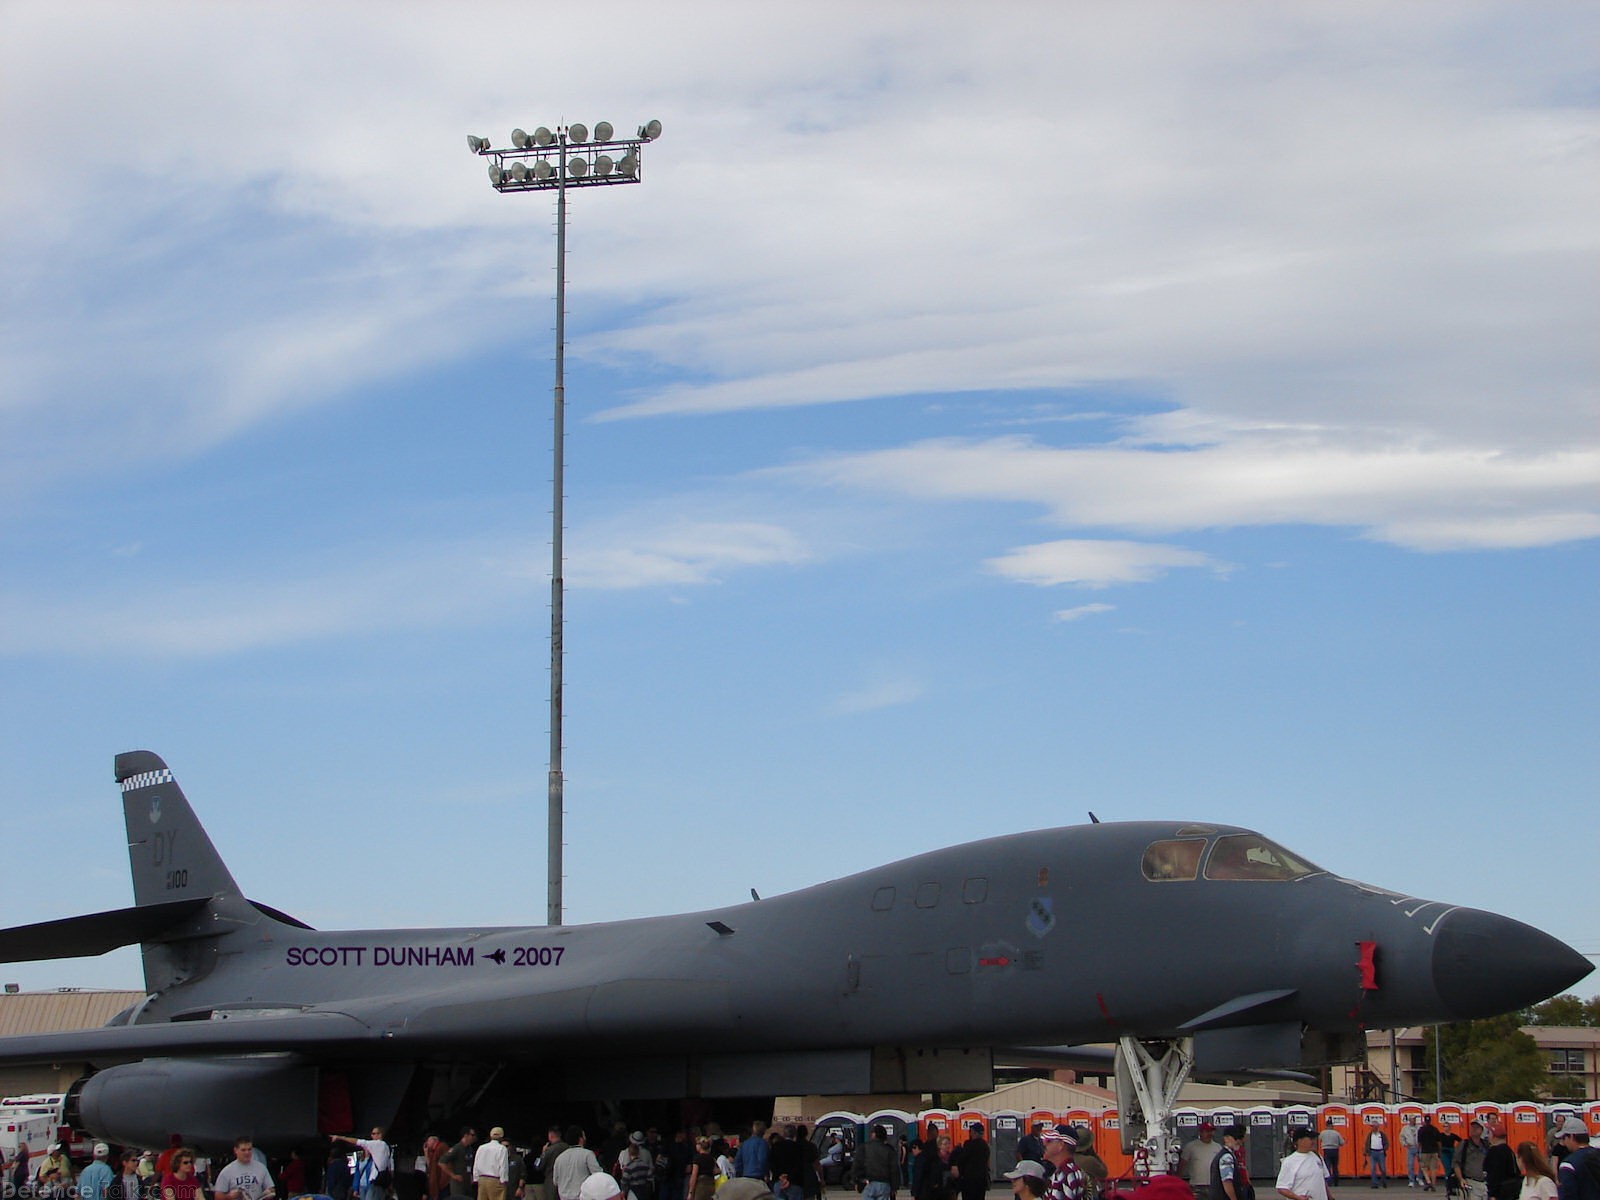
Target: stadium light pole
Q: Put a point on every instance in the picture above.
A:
(569, 156)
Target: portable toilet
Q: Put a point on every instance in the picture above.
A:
(1338, 1117)
(966, 1119)
(1117, 1153)
(898, 1122)
(1186, 1121)
(1041, 1116)
(1525, 1123)
(941, 1122)
(1263, 1141)
(1294, 1117)
(1380, 1118)
(1005, 1127)
(1591, 1118)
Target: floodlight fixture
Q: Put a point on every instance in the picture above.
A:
(542, 161)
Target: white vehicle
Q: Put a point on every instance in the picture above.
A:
(25, 1127)
(37, 1120)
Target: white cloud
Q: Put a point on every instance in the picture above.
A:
(1425, 497)
(1093, 564)
(1263, 212)
(1082, 611)
(886, 693)
(692, 552)
(448, 583)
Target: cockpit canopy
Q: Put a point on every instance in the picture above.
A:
(1232, 856)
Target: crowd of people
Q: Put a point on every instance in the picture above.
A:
(1055, 1163)
(1480, 1166)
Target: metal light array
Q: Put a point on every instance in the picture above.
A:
(592, 158)
(555, 160)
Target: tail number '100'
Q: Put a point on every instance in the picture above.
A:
(177, 879)
(536, 956)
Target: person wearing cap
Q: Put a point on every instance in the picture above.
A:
(1472, 1164)
(97, 1176)
(636, 1168)
(1578, 1176)
(1229, 1178)
(490, 1166)
(1196, 1157)
(1028, 1179)
(1067, 1180)
(1091, 1164)
(57, 1161)
(1303, 1175)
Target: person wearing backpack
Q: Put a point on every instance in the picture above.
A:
(1578, 1177)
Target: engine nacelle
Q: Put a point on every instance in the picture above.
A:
(210, 1101)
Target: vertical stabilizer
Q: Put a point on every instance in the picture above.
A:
(168, 851)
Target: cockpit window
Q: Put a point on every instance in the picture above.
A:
(1251, 856)
(1175, 859)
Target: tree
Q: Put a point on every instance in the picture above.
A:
(1565, 1010)
(1491, 1059)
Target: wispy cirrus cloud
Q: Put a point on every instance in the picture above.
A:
(1081, 611)
(470, 580)
(1085, 562)
(1183, 476)
(879, 694)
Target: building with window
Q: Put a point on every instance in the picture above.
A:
(1572, 1053)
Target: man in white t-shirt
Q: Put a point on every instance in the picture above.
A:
(1303, 1175)
(382, 1162)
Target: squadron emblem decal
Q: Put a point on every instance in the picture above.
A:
(1041, 916)
(155, 810)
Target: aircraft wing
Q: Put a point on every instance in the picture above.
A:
(236, 1035)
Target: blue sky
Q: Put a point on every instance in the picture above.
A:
(979, 415)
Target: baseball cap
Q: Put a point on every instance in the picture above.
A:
(101, 1150)
(496, 1134)
(1572, 1127)
(1305, 1131)
(1027, 1167)
(1208, 1125)
(599, 1186)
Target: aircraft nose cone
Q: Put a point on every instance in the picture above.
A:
(1484, 964)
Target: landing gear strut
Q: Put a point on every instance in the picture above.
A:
(1149, 1076)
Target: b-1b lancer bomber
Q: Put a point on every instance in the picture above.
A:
(1191, 946)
